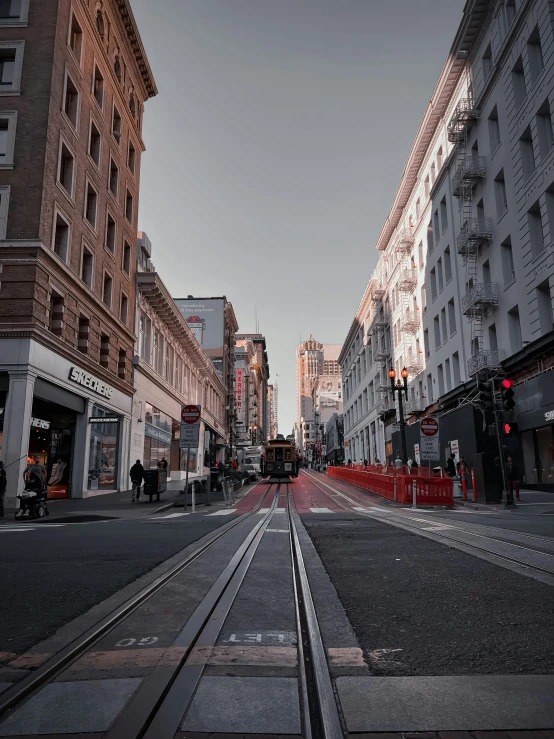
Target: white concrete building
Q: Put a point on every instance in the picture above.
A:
(465, 280)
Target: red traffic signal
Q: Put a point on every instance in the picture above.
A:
(510, 429)
(507, 384)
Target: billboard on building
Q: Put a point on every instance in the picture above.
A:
(206, 319)
(240, 395)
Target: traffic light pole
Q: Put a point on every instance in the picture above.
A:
(506, 493)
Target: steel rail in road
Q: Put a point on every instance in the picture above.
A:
(404, 522)
(315, 661)
(13, 697)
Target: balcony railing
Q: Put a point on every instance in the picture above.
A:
(404, 241)
(475, 232)
(414, 365)
(489, 359)
(413, 406)
(407, 279)
(462, 120)
(470, 171)
(384, 408)
(481, 295)
(378, 294)
(409, 322)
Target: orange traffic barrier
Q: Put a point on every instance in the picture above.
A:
(398, 485)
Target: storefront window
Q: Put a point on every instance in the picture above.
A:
(157, 437)
(193, 460)
(545, 448)
(103, 450)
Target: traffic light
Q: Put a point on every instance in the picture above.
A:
(508, 402)
(510, 429)
(485, 399)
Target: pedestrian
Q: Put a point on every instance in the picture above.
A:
(366, 463)
(136, 473)
(414, 465)
(349, 462)
(450, 468)
(398, 461)
(512, 475)
(164, 463)
(498, 478)
(3, 484)
(36, 473)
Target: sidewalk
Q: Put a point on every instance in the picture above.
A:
(537, 499)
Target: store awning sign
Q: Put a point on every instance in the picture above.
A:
(87, 380)
(103, 419)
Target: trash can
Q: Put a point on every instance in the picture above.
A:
(155, 482)
(457, 491)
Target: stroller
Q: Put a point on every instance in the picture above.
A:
(32, 501)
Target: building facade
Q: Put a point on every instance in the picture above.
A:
(273, 406)
(259, 416)
(74, 80)
(171, 370)
(464, 286)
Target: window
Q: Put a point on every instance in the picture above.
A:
(486, 62)
(110, 233)
(107, 288)
(66, 169)
(420, 254)
(452, 316)
(437, 328)
(83, 335)
(544, 307)
(10, 10)
(448, 377)
(124, 308)
(100, 24)
(95, 144)
(116, 125)
(436, 226)
(75, 38)
(518, 83)
(433, 173)
(8, 125)
(514, 327)
(444, 326)
(145, 328)
(122, 364)
(11, 63)
(129, 207)
(433, 284)
(60, 241)
(87, 264)
(158, 352)
(71, 101)
(169, 363)
(426, 186)
(418, 209)
(508, 262)
(439, 158)
(527, 153)
(500, 194)
(444, 214)
(486, 272)
(441, 379)
(534, 52)
(114, 178)
(536, 236)
(117, 69)
(98, 87)
(131, 157)
(423, 299)
(493, 339)
(447, 265)
(544, 129)
(429, 389)
(126, 258)
(132, 105)
(55, 320)
(91, 204)
(494, 130)
(104, 350)
(439, 274)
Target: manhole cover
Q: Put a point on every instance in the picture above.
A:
(75, 519)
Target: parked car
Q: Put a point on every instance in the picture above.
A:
(251, 470)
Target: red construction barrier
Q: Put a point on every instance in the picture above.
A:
(429, 490)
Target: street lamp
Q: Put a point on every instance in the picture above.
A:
(398, 387)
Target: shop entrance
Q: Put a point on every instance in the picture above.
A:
(51, 439)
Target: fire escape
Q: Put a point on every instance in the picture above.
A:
(380, 349)
(475, 232)
(408, 311)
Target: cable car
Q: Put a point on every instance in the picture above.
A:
(280, 459)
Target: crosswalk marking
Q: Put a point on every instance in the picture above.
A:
(263, 510)
(171, 515)
(224, 512)
(280, 510)
(321, 510)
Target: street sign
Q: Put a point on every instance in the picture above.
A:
(429, 448)
(429, 427)
(190, 426)
(396, 427)
(417, 454)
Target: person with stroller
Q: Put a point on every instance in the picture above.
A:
(33, 498)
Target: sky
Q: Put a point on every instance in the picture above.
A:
(274, 151)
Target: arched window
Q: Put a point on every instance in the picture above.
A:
(117, 68)
(100, 24)
(132, 105)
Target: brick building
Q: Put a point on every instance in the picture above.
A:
(74, 78)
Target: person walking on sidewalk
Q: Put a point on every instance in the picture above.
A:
(512, 473)
(3, 484)
(136, 474)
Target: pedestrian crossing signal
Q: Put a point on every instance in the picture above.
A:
(485, 398)
(508, 402)
(510, 429)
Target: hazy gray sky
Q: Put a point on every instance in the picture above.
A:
(275, 148)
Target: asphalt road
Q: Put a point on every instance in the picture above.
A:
(421, 608)
(50, 575)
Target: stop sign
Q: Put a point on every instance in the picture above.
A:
(429, 426)
(190, 414)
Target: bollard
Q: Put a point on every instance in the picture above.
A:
(464, 483)
(395, 490)
(474, 486)
(414, 494)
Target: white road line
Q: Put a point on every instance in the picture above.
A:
(280, 510)
(224, 512)
(362, 510)
(13, 530)
(321, 510)
(171, 515)
(263, 510)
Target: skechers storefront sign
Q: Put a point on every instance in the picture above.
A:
(89, 381)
